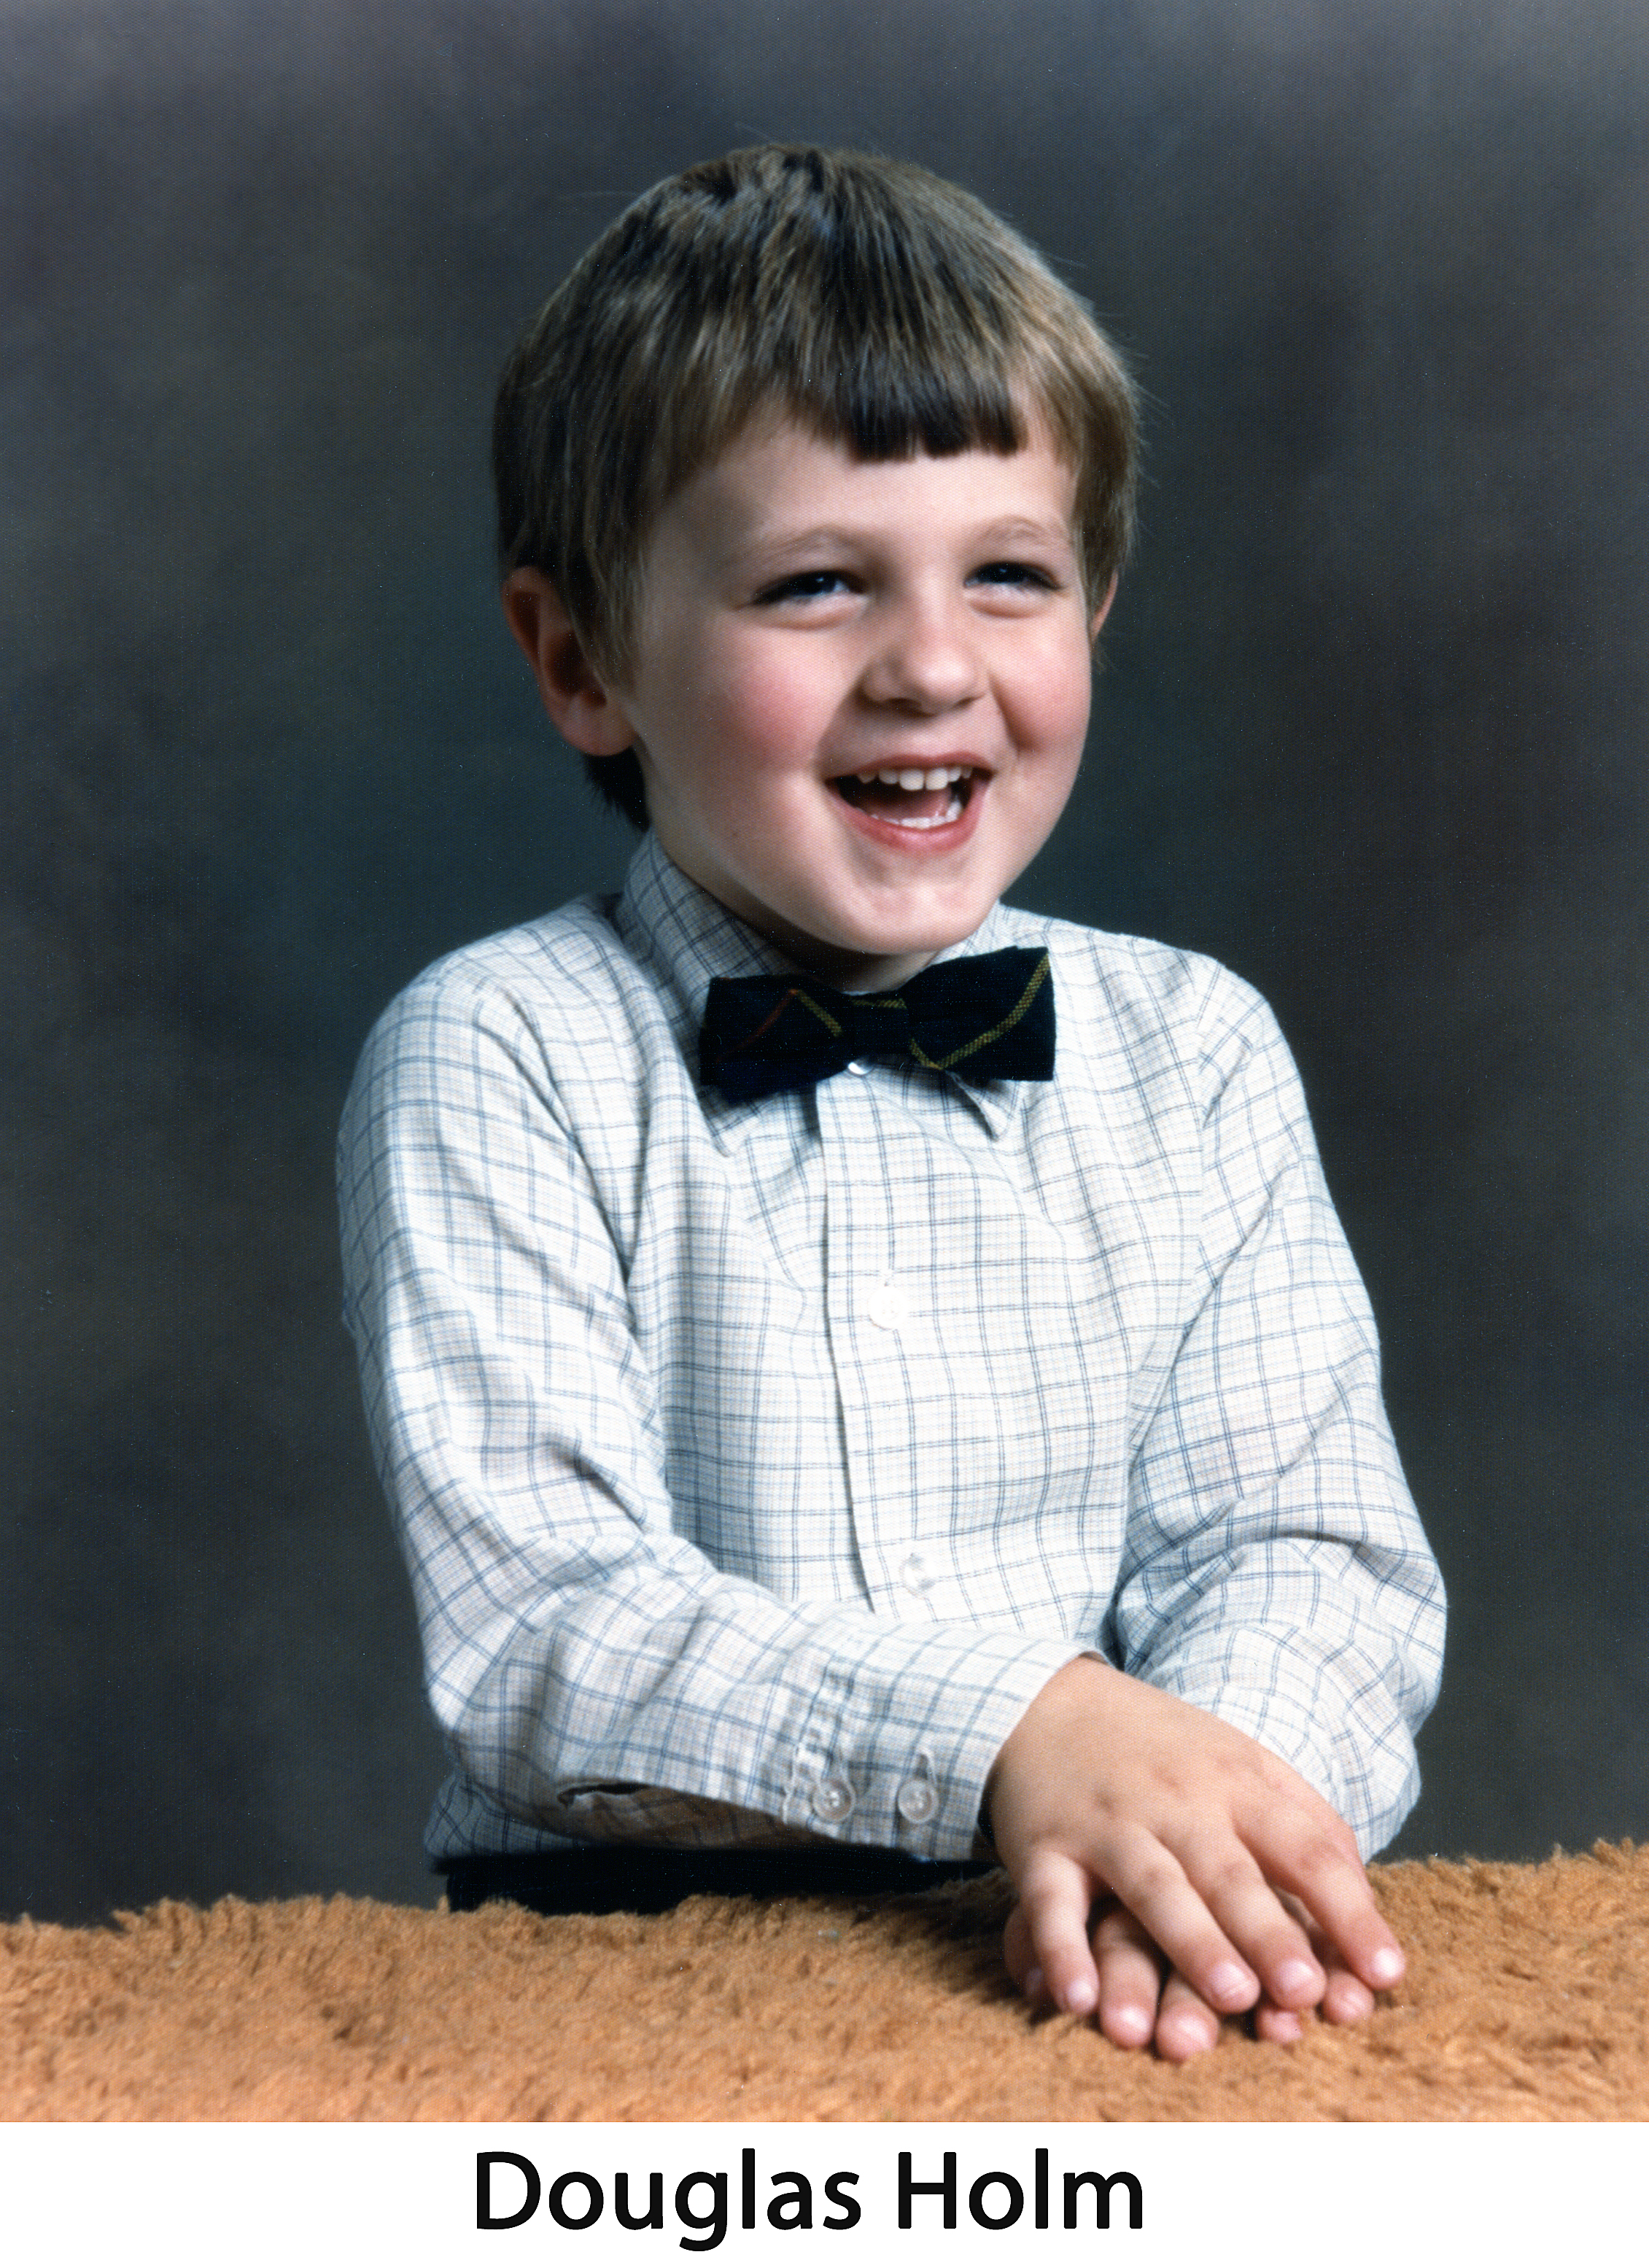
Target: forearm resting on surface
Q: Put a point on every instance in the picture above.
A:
(1170, 1871)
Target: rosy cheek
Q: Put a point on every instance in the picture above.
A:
(1063, 695)
(759, 712)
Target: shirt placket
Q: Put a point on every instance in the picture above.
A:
(874, 1312)
(874, 1316)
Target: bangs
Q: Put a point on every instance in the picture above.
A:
(879, 409)
(864, 317)
(876, 338)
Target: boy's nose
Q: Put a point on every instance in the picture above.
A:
(925, 660)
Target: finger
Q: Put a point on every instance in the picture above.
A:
(1130, 1978)
(1281, 2026)
(1346, 1999)
(1327, 1879)
(1186, 2025)
(1154, 1887)
(1269, 1936)
(1018, 1957)
(1055, 1896)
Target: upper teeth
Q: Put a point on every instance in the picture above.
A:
(912, 779)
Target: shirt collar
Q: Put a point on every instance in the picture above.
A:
(688, 937)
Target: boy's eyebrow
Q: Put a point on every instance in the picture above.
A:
(751, 543)
(1024, 528)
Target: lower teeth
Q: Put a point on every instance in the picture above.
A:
(953, 810)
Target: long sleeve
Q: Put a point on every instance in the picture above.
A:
(1276, 1571)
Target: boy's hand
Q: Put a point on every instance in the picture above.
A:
(1217, 1855)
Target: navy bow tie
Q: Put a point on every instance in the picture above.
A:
(990, 1015)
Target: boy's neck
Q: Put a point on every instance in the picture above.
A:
(841, 967)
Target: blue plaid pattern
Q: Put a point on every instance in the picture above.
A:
(756, 1465)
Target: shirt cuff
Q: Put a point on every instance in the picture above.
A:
(910, 1774)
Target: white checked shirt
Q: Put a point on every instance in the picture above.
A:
(757, 1464)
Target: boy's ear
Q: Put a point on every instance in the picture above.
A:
(1100, 611)
(581, 707)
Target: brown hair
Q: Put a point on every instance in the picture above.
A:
(879, 306)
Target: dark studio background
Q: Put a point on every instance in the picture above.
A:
(1372, 730)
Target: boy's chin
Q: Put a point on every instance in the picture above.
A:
(860, 939)
(868, 958)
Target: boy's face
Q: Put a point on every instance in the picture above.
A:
(861, 690)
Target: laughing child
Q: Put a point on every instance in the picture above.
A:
(868, 1378)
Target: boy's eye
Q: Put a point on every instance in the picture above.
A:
(1014, 574)
(816, 582)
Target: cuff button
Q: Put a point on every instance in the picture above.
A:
(833, 1799)
(916, 1801)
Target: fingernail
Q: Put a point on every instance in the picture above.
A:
(1228, 1985)
(1080, 1997)
(1295, 1977)
(1036, 1985)
(1387, 1965)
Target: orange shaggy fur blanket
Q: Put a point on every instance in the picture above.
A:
(1527, 1997)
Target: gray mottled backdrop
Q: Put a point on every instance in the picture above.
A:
(1372, 730)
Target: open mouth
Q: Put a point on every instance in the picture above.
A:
(911, 795)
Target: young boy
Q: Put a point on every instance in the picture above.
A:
(859, 1369)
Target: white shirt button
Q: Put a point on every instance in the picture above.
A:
(832, 1798)
(916, 1575)
(860, 1070)
(916, 1801)
(888, 1306)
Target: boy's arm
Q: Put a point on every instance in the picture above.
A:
(1276, 1572)
(578, 1650)
(1277, 1579)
